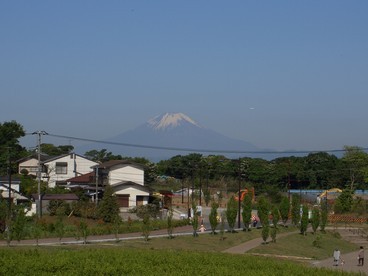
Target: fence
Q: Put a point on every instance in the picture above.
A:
(346, 219)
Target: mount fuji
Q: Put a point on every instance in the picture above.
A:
(170, 134)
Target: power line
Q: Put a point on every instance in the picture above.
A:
(193, 149)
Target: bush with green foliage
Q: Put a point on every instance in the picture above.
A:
(152, 210)
(344, 202)
(58, 207)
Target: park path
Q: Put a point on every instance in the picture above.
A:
(350, 259)
(246, 246)
(182, 230)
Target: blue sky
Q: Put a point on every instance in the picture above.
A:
(279, 74)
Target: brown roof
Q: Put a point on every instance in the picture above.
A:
(85, 178)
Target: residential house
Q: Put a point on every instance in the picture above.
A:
(15, 194)
(61, 168)
(30, 163)
(127, 181)
(86, 182)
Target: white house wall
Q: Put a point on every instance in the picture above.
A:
(30, 165)
(122, 173)
(82, 166)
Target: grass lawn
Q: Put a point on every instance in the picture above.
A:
(302, 246)
(120, 261)
(204, 242)
(182, 255)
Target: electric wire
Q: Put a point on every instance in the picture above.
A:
(191, 149)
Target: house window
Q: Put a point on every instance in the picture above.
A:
(61, 168)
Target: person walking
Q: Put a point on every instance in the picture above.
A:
(361, 256)
(336, 257)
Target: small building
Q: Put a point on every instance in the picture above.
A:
(46, 198)
(127, 180)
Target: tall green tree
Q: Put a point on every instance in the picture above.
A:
(101, 155)
(356, 161)
(247, 211)
(263, 208)
(316, 219)
(284, 208)
(53, 150)
(304, 220)
(275, 216)
(195, 214)
(320, 169)
(231, 212)
(19, 223)
(10, 149)
(295, 209)
(108, 208)
(213, 217)
(324, 216)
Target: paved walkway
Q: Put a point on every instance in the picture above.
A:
(183, 230)
(246, 246)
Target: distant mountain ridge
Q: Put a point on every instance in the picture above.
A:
(175, 131)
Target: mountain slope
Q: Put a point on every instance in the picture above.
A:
(173, 130)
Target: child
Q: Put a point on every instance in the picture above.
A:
(202, 228)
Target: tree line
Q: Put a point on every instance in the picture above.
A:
(319, 170)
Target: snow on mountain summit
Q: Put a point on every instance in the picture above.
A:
(170, 120)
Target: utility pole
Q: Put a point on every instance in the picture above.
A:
(39, 170)
(97, 185)
(9, 185)
(239, 193)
